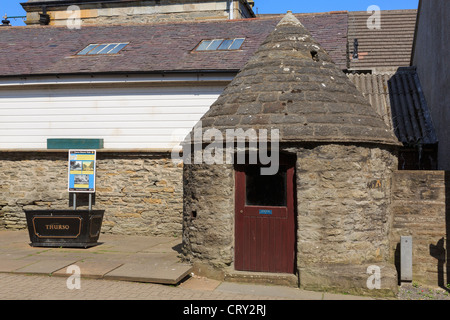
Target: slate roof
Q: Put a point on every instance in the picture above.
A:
(291, 84)
(37, 50)
(399, 99)
(156, 47)
(389, 46)
(330, 30)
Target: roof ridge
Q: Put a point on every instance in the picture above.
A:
(135, 24)
(388, 11)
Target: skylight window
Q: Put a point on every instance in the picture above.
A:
(104, 48)
(220, 44)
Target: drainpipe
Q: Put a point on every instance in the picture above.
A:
(231, 10)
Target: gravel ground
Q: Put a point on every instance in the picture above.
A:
(414, 291)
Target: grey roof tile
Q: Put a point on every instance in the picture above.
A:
(390, 45)
(293, 57)
(36, 50)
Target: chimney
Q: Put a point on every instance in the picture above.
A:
(5, 21)
(44, 17)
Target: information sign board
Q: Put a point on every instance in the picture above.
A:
(82, 164)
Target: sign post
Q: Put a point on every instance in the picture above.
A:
(70, 228)
(82, 164)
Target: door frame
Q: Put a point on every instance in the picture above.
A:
(288, 160)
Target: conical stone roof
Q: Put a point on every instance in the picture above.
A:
(291, 84)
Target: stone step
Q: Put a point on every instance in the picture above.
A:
(281, 279)
(140, 272)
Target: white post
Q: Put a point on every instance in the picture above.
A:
(406, 258)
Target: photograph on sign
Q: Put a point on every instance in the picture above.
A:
(82, 170)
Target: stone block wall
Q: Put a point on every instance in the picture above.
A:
(141, 193)
(421, 205)
(344, 216)
(141, 12)
(343, 202)
(208, 219)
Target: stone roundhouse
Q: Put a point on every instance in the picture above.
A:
(323, 220)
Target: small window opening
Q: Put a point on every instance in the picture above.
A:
(265, 190)
(314, 55)
(105, 48)
(220, 44)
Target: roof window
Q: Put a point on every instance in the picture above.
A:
(220, 44)
(105, 48)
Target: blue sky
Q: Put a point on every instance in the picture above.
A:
(13, 7)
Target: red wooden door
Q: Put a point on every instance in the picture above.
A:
(264, 219)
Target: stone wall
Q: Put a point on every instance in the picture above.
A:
(110, 19)
(141, 193)
(421, 207)
(344, 216)
(208, 218)
(141, 12)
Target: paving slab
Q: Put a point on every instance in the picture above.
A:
(131, 258)
(13, 255)
(335, 296)
(13, 265)
(283, 292)
(132, 244)
(171, 245)
(47, 266)
(272, 291)
(153, 259)
(164, 274)
(61, 253)
(200, 283)
(92, 269)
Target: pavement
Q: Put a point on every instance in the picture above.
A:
(121, 268)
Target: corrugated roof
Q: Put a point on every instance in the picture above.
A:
(410, 115)
(389, 46)
(399, 99)
(374, 87)
(153, 47)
